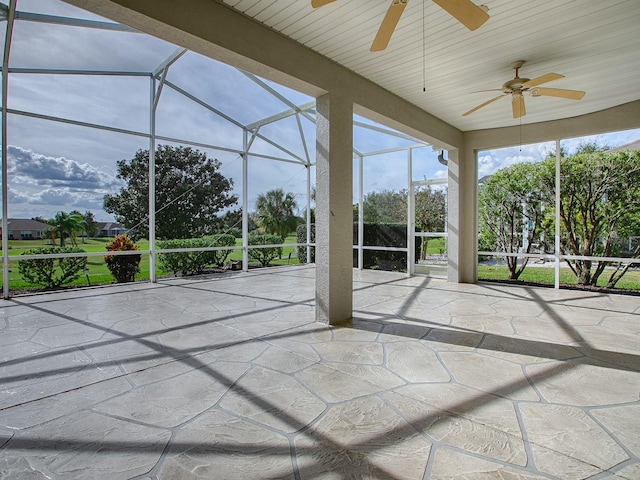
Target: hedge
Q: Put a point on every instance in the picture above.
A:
(375, 234)
(264, 255)
(52, 272)
(301, 237)
(192, 263)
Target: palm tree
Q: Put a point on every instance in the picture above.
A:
(64, 224)
(275, 212)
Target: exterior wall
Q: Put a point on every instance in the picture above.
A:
(111, 232)
(25, 234)
(622, 117)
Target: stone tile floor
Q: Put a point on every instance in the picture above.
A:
(229, 377)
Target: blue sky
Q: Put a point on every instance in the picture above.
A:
(56, 166)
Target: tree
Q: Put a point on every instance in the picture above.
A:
(91, 226)
(599, 198)
(511, 211)
(66, 224)
(386, 206)
(189, 192)
(599, 204)
(430, 214)
(275, 212)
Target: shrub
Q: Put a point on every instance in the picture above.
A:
(235, 231)
(192, 263)
(122, 267)
(264, 255)
(301, 237)
(52, 272)
(383, 235)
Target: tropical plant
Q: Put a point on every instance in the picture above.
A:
(122, 267)
(66, 224)
(275, 213)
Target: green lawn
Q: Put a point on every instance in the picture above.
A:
(544, 275)
(97, 272)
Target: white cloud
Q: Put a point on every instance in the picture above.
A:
(52, 196)
(40, 185)
(29, 168)
(490, 161)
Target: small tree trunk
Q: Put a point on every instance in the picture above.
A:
(584, 272)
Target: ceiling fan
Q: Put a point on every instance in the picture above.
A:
(519, 86)
(465, 11)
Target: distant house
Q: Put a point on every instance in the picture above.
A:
(25, 229)
(635, 145)
(109, 229)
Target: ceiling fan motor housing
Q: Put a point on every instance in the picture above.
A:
(514, 85)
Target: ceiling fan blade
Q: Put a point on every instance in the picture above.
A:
(465, 11)
(489, 90)
(388, 25)
(557, 92)
(320, 3)
(483, 105)
(534, 82)
(517, 105)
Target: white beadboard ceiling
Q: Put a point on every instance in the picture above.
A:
(595, 44)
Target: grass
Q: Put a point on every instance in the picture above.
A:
(545, 276)
(97, 272)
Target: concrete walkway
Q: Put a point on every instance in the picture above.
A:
(229, 377)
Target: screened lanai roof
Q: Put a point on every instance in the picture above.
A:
(53, 38)
(79, 97)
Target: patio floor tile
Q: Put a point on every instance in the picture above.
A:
(229, 376)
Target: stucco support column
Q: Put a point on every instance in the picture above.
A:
(461, 217)
(334, 211)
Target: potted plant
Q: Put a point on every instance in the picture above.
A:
(123, 267)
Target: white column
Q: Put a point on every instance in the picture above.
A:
(334, 211)
(462, 215)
